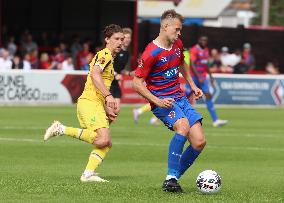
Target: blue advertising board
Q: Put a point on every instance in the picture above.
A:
(248, 89)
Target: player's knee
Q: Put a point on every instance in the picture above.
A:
(183, 130)
(199, 144)
(102, 140)
(182, 127)
(101, 143)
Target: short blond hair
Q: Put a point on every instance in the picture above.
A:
(171, 14)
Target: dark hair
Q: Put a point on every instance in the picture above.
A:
(171, 14)
(111, 29)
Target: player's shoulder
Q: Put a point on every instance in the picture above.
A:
(150, 47)
(149, 51)
(104, 53)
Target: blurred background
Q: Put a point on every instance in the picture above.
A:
(245, 36)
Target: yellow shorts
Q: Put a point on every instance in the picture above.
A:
(91, 114)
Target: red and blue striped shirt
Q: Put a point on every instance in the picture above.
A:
(200, 56)
(160, 69)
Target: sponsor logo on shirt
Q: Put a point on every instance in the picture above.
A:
(102, 60)
(172, 114)
(171, 73)
(164, 59)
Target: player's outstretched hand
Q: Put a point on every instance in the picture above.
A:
(197, 92)
(166, 102)
(110, 102)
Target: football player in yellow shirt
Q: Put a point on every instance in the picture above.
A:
(96, 107)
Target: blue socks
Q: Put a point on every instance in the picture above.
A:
(211, 109)
(186, 160)
(175, 153)
(178, 161)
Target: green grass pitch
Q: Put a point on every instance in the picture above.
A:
(248, 154)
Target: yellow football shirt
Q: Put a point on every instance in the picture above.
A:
(104, 60)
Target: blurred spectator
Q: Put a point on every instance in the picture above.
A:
(5, 62)
(20, 64)
(240, 67)
(214, 61)
(44, 62)
(12, 47)
(63, 49)
(248, 57)
(26, 62)
(225, 58)
(34, 59)
(272, 69)
(67, 64)
(28, 44)
(43, 40)
(235, 57)
(17, 63)
(88, 58)
(75, 48)
(58, 56)
(81, 56)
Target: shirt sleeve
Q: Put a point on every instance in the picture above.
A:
(102, 60)
(144, 65)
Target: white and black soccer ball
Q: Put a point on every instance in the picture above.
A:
(208, 182)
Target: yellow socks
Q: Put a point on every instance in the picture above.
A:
(81, 134)
(97, 155)
(96, 158)
(144, 108)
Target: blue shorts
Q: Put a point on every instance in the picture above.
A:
(204, 86)
(181, 109)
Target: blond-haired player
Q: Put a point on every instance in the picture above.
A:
(96, 107)
(159, 68)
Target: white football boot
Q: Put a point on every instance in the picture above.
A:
(219, 123)
(92, 178)
(54, 130)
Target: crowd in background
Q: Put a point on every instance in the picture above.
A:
(238, 61)
(29, 54)
(57, 54)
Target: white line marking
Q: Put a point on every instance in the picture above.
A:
(153, 144)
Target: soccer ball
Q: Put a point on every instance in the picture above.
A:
(208, 182)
